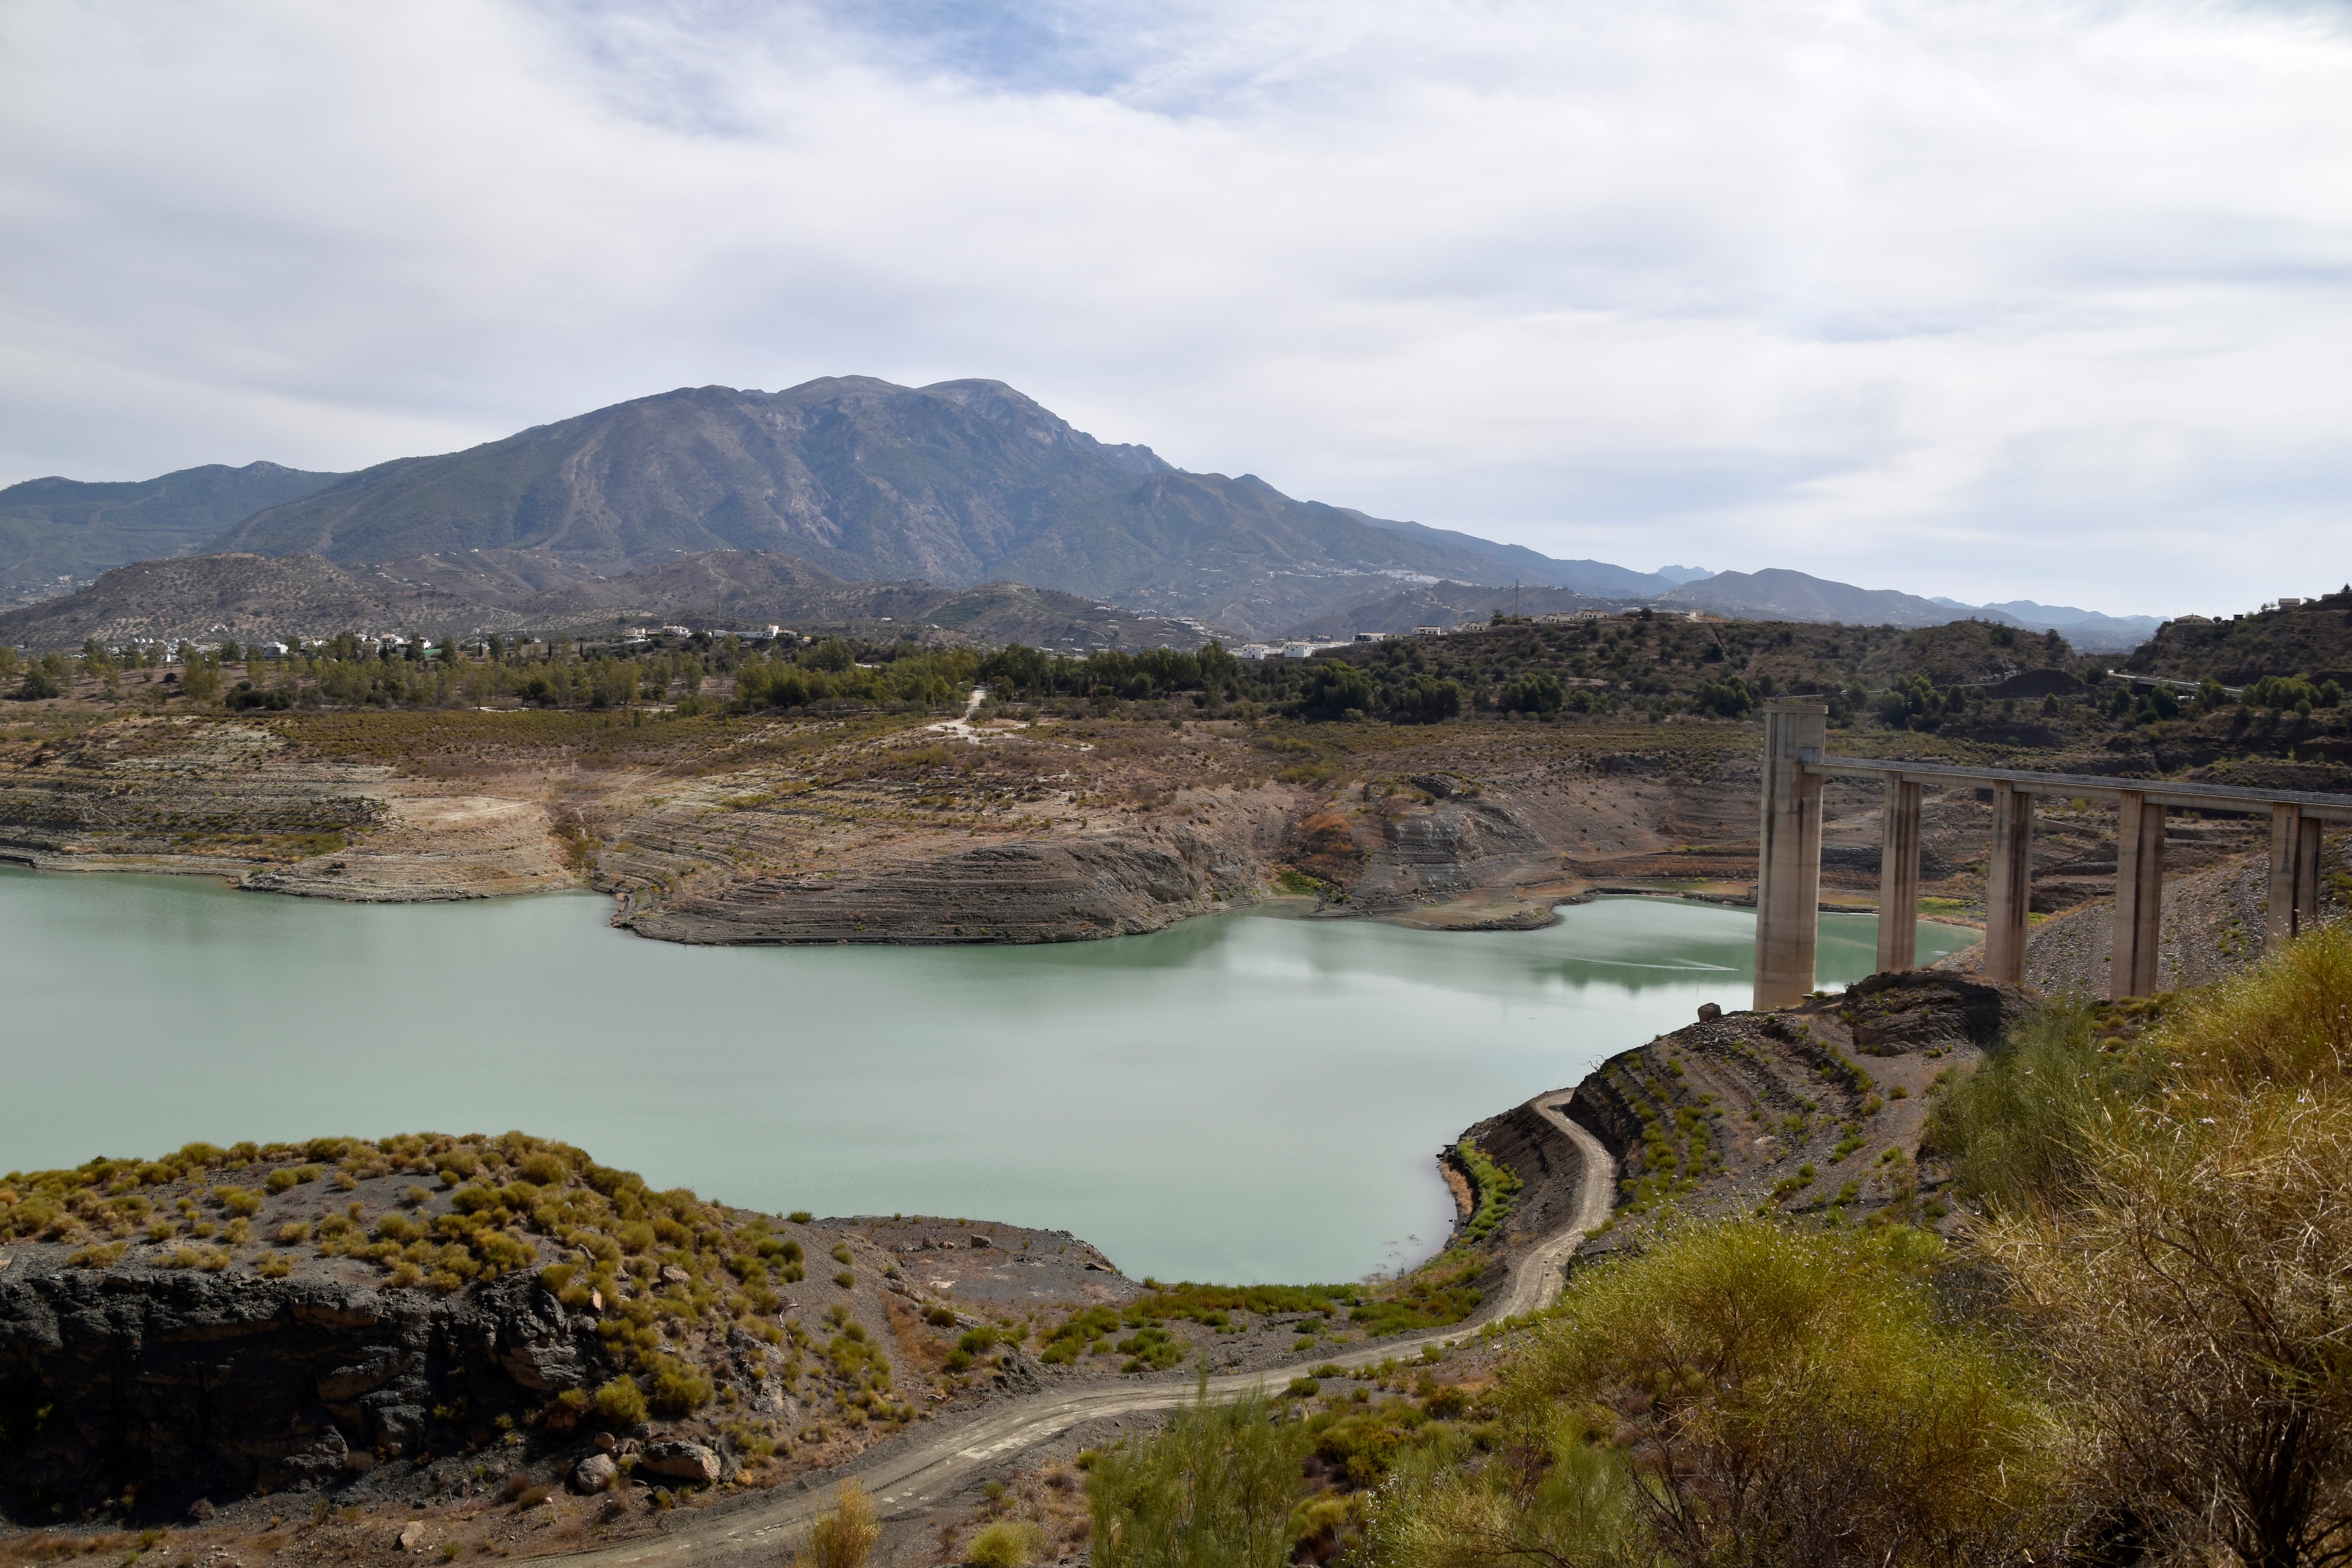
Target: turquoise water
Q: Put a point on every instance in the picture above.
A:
(1237, 1098)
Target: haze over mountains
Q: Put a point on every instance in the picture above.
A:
(955, 485)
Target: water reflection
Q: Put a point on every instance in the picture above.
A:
(1234, 1098)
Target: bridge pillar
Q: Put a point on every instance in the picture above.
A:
(2140, 897)
(2008, 895)
(2294, 906)
(1898, 879)
(2307, 875)
(1788, 853)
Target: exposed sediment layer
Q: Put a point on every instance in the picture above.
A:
(1065, 888)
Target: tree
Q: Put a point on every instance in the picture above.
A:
(1334, 688)
(1426, 700)
(1535, 691)
(1730, 698)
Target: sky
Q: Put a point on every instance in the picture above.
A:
(1993, 301)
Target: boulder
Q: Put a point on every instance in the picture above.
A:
(411, 1536)
(595, 1473)
(682, 1460)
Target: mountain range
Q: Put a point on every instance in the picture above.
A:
(956, 486)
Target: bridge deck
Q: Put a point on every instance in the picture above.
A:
(2155, 792)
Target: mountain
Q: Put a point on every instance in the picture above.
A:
(1680, 574)
(957, 483)
(55, 532)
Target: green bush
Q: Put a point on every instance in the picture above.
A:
(1759, 1363)
(1217, 1486)
(621, 1403)
(1007, 1543)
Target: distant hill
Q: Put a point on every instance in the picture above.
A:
(2312, 639)
(957, 483)
(249, 597)
(244, 597)
(754, 588)
(2086, 630)
(1447, 604)
(1778, 594)
(56, 532)
(1598, 579)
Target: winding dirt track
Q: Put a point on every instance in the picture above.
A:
(934, 1463)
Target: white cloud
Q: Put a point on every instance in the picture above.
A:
(1991, 299)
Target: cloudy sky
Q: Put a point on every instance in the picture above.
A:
(2028, 300)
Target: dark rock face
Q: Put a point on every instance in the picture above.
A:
(182, 1384)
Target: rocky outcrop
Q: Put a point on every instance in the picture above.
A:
(174, 1386)
(1816, 1109)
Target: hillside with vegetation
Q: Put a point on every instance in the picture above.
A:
(2122, 1343)
(2311, 641)
(55, 532)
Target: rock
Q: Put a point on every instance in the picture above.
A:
(411, 1536)
(674, 1275)
(676, 1457)
(595, 1473)
(359, 1462)
(1708, 1011)
(982, 1242)
(606, 1442)
(201, 1511)
(136, 1364)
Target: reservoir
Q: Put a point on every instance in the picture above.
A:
(1238, 1098)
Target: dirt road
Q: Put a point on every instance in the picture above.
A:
(933, 1463)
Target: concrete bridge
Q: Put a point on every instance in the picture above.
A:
(1789, 856)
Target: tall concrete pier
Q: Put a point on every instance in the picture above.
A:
(1788, 853)
(1788, 857)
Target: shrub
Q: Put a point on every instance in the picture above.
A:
(845, 1537)
(1786, 1395)
(1216, 1486)
(238, 1200)
(621, 1403)
(1007, 1543)
(677, 1389)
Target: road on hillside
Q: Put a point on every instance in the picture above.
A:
(910, 1477)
